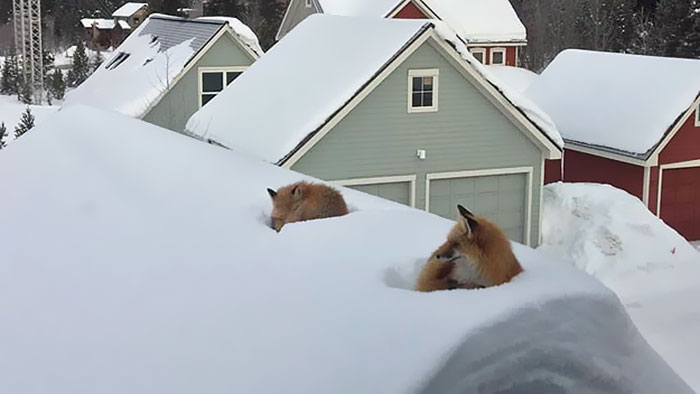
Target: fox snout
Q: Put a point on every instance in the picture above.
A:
(277, 224)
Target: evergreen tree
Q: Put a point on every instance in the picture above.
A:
(81, 66)
(671, 26)
(26, 92)
(3, 134)
(26, 123)
(9, 82)
(55, 85)
(97, 61)
(232, 8)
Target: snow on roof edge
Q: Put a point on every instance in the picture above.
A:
(242, 31)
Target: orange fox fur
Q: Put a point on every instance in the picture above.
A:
(305, 201)
(476, 254)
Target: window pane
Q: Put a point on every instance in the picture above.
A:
(428, 99)
(416, 100)
(207, 98)
(498, 58)
(417, 84)
(212, 82)
(428, 84)
(479, 56)
(230, 76)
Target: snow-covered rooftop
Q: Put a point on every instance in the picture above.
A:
(140, 71)
(473, 20)
(517, 78)
(128, 9)
(102, 24)
(623, 102)
(126, 269)
(123, 24)
(328, 78)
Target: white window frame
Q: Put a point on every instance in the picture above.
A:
(501, 50)
(481, 51)
(697, 115)
(528, 171)
(428, 72)
(308, 4)
(383, 179)
(222, 70)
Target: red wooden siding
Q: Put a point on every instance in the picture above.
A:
(582, 167)
(552, 171)
(410, 11)
(680, 201)
(684, 146)
(511, 52)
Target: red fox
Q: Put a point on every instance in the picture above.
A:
(477, 254)
(305, 201)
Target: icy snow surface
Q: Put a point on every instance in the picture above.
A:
(516, 78)
(625, 102)
(610, 234)
(128, 9)
(312, 64)
(128, 269)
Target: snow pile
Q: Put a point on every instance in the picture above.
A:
(481, 20)
(244, 33)
(529, 108)
(132, 86)
(611, 235)
(518, 79)
(624, 102)
(121, 273)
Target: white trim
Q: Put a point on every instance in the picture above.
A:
(489, 172)
(308, 4)
(671, 166)
(419, 4)
(383, 179)
(500, 50)
(490, 44)
(425, 73)
(192, 62)
(223, 71)
(645, 188)
(655, 156)
(697, 115)
(542, 171)
(607, 155)
(481, 51)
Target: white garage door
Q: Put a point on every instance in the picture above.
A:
(500, 198)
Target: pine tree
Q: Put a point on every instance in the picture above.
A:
(671, 26)
(55, 85)
(232, 8)
(3, 134)
(26, 92)
(81, 66)
(26, 123)
(9, 82)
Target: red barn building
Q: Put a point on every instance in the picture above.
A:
(491, 28)
(632, 122)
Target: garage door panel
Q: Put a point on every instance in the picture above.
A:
(398, 191)
(680, 201)
(500, 198)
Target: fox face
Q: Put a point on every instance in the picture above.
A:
(459, 246)
(286, 203)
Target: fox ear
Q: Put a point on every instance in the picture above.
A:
(466, 220)
(297, 192)
(272, 193)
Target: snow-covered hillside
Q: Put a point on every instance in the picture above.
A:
(610, 234)
(11, 112)
(136, 260)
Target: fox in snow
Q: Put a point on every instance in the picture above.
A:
(476, 254)
(305, 201)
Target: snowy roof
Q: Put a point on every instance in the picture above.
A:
(124, 24)
(102, 24)
(311, 62)
(519, 79)
(623, 102)
(473, 20)
(125, 274)
(140, 71)
(128, 9)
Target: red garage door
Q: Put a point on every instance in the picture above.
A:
(680, 201)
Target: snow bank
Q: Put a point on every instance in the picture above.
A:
(128, 269)
(11, 112)
(624, 102)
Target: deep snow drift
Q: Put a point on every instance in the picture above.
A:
(136, 260)
(610, 234)
(11, 112)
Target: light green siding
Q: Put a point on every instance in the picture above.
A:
(397, 192)
(297, 13)
(182, 100)
(380, 138)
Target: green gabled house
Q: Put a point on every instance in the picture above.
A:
(395, 108)
(169, 67)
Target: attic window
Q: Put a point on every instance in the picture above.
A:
(697, 115)
(479, 54)
(212, 80)
(118, 59)
(498, 56)
(423, 90)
